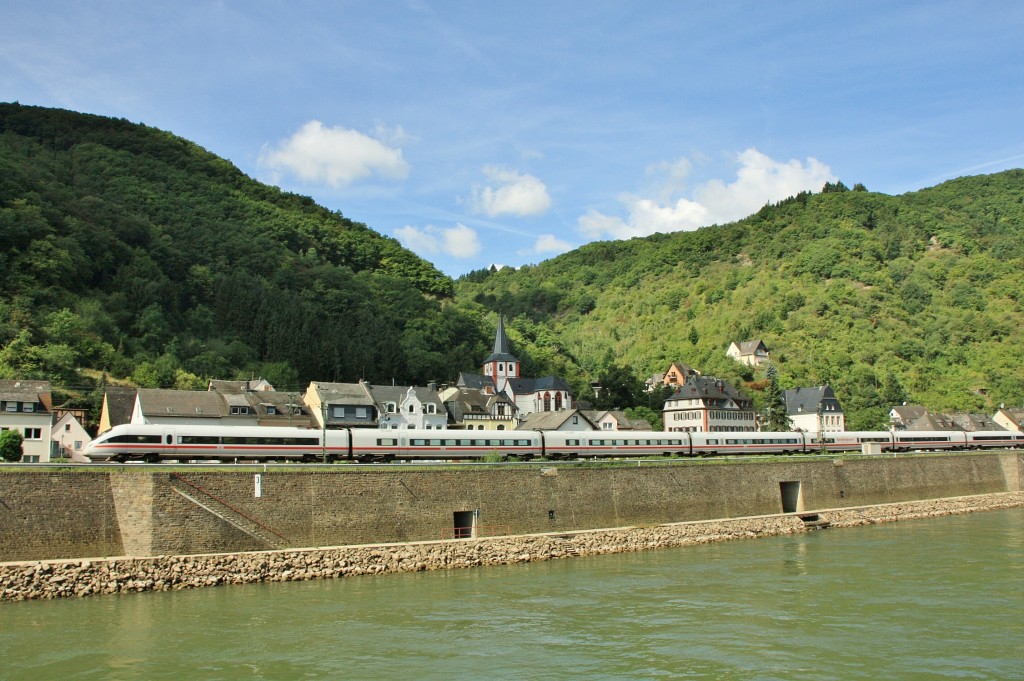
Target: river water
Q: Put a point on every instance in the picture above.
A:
(927, 599)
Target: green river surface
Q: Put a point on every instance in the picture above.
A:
(940, 598)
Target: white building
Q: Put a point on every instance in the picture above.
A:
(26, 406)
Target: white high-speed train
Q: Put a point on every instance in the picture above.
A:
(154, 443)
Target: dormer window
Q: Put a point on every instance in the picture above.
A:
(237, 411)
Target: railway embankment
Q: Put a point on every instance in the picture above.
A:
(121, 575)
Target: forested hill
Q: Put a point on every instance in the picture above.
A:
(916, 297)
(124, 248)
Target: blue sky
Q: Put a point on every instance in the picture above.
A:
(505, 133)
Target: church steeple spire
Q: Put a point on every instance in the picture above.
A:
(500, 339)
(501, 365)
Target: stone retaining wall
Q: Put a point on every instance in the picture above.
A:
(71, 578)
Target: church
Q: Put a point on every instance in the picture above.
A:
(502, 375)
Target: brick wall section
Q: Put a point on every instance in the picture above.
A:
(306, 507)
(47, 513)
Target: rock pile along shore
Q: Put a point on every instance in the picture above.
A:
(95, 576)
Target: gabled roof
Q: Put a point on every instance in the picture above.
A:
(37, 392)
(474, 381)
(120, 404)
(553, 420)
(909, 411)
(933, 422)
(750, 347)
(259, 385)
(156, 402)
(343, 393)
(396, 393)
(529, 386)
(975, 422)
(806, 400)
(710, 388)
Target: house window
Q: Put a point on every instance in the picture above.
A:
(431, 408)
(338, 412)
(361, 413)
(12, 406)
(33, 434)
(606, 425)
(390, 408)
(67, 427)
(78, 445)
(238, 410)
(28, 406)
(271, 410)
(412, 408)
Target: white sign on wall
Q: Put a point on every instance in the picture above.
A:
(259, 485)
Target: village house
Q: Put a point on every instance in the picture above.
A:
(752, 353)
(901, 417)
(705, 404)
(258, 403)
(404, 407)
(1009, 419)
(341, 405)
(69, 438)
(814, 410)
(478, 409)
(615, 420)
(26, 406)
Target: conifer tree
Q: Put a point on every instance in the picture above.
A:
(775, 418)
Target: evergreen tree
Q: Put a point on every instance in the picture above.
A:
(774, 415)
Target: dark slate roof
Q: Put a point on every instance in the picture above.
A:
(396, 393)
(37, 392)
(120, 404)
(502, 352)
(474, 381)
(527, 386)
(157, 402)
(710, 388)
(806, 400)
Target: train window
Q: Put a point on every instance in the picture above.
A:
(416, 442)
(198, 440)
(526, 443)
(136, 439)
(387, 442)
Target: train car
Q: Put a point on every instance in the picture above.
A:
(153, 443)
(587, 444)
(739, 443)
(995, 439)
(848, 441)
(928, 440)
(372, 444)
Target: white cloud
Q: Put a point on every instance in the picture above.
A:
(459, 241)
(510, 193)
(336, 156)
(759, 180)
(548, 244)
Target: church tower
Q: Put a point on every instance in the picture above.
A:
(501, 365)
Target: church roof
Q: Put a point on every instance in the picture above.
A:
(501, 353)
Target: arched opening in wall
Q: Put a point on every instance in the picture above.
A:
(792, 497)
(464, 525)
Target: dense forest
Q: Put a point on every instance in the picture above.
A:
(129, 254)
(888, 299)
